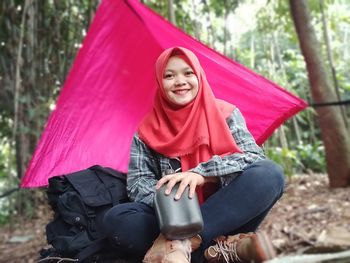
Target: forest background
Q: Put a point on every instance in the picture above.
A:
(40, 39)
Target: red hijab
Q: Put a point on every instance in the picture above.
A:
(194, 132)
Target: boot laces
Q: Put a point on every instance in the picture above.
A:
(228, 250)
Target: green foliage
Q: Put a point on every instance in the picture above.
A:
(183, 19)
(4, 212)
(302, 159)
(8, 180)
(21, 202)
(221, 6)
(52, 33)
(6, 156)
(312, 157)
(287, 158)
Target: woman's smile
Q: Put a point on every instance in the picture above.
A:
(181, 91)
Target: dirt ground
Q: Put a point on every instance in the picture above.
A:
(309, 218)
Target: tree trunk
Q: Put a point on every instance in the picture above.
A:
(330, 60)
(211, 33)
(226, 13)
(252, 52)
(196, 22)
(282, 137)
(171, 12)
(297, 130)
(334, 133)
(311, 123)
(18, 109)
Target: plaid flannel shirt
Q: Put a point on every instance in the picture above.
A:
(141, 179)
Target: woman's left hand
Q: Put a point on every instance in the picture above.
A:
(184, 179)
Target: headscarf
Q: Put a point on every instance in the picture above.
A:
(194, 132)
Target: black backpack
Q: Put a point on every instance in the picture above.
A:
(79, 201)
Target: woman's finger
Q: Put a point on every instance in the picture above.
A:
(164, 180)
(184, 183)
(171, 183)
(193, 186)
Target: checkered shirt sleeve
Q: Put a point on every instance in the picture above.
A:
(141, 178)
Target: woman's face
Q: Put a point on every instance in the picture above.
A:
(179, 82)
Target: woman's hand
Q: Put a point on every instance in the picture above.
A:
(184, 179)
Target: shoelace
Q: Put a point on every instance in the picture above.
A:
(228, 250)
(187, 245)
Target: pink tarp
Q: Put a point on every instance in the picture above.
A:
(110, 89)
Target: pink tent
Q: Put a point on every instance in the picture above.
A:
(110, 89)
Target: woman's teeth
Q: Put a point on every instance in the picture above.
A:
(180, 92)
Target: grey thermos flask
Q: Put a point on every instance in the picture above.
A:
(178, 219)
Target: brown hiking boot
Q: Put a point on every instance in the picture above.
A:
(241, 248)
(169, 251)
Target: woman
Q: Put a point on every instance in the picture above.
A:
(218, 159)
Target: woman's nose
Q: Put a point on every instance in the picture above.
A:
(179, 81)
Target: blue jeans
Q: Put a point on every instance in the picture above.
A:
(238, 207)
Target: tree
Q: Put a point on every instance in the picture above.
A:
(330, 58)
(38, 41)
(171, 12)
(334, 132)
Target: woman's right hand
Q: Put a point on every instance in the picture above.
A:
(184, 179)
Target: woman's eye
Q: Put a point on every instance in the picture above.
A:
(168, 76)
(189, 73)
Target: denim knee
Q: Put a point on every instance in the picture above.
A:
(271, 172)
(113, 214)
(114, 221)
(131, 227)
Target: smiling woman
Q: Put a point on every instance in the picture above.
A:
(207, 146)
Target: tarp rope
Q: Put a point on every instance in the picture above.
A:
(333, 103)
